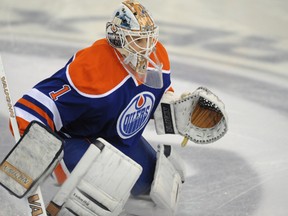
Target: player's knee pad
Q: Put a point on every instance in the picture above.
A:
(165, 189)
(103, 188)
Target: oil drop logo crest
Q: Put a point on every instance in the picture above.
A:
(135, 116)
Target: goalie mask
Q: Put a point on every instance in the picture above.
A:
(134, 35)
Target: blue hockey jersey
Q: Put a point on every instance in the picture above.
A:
(94, 96)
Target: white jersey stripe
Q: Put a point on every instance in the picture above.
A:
(49, 104)
(166, 71)
(25, 115)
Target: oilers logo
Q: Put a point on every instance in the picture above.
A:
(135, 115)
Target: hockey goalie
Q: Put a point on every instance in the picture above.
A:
(88, 119)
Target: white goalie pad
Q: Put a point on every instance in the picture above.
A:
(199, 116)
(32, 159)
(167, 183)
(100, 184)
(176, 161)
(165, 189)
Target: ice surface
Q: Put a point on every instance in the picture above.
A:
(238, 49)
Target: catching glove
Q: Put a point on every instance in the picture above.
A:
(199, 116)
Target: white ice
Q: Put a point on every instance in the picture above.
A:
(238, 49)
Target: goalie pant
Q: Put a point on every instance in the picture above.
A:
(100, 185)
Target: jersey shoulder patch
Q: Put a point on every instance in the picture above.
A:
(96, 70)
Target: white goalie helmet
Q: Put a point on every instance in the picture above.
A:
(133, 33)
